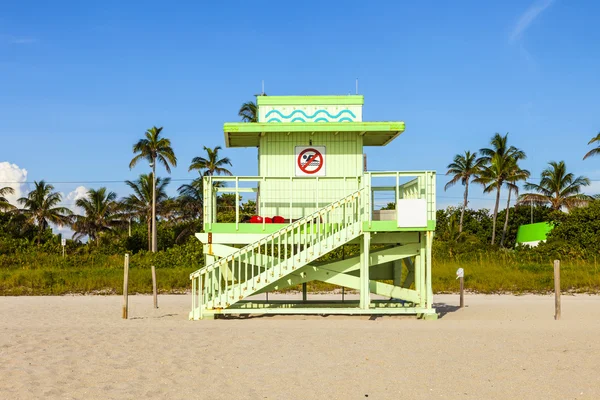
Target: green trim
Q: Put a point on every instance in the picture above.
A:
(268, 127)
(420, 311)
(309, 100)
(533, 232)
(223, 227)
(242, 134)
(392, 226)
(376, 226)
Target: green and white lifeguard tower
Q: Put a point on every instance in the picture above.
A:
(313, 197)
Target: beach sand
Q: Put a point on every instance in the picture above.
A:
(506, 347)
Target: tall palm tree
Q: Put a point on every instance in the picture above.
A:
(463, 168)
(101, 214)
(154, 149)
(515, 174)
(4, 203)
(558, 188)
(497, 161)
(140, 202)
(212, 165)
(595, 151)
(41, 208)
(191, 199)
(249, 112)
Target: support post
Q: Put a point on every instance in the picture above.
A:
(429, 280)
(462, 292)
(304, 292)
(398, 273)
(125, 286)
(421, 276)
(365, 295)
(556, 289)
(154, 287)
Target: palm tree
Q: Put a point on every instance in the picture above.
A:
(154, 149)
(140, 202)
(249, 112)
(101, 214)
(463, 168)
(188, 208)
(557, 188)
(213, 165)
(514, 175)
(594, 151)
(191, 199)
(4, 203)
(497, 162)
(41, 208)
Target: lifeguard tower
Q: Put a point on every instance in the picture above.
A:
(314, 196)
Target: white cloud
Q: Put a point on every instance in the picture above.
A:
(15, 177)
(593, 189)
(68, 201)
(527, 18)
(21, 40)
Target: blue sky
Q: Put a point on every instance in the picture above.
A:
(81, 81)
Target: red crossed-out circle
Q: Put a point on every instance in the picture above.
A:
(316, 156)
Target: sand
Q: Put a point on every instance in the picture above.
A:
(505, 347)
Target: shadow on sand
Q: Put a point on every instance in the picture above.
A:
(443, 309)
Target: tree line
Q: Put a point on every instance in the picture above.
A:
(103, 212)
(494, 168)
(497, 167)
(104, 215)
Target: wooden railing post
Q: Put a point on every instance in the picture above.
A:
(154, 287)
(125, 287)
(460, 274)
(556, 289)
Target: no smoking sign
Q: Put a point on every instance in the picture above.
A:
(310, 161)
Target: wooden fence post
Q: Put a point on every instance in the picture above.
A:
(460, 274)
(462, 292)
(557, 289)
(154, 287)
(125, 286)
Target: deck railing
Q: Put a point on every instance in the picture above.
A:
(405, 185)
(401, 184)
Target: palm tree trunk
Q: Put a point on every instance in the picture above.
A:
(462, 213)
(149, 234)
(40, 231)
(153, 204)
(496, 213)
(506, 219)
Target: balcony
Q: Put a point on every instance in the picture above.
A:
(410, 194)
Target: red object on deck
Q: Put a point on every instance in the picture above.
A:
(255, 219)
(278, 219)
(268, 220)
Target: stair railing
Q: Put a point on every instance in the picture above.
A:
(231, 278)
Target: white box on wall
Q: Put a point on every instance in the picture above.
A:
(412, 213)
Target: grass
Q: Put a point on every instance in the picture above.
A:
(510, 274)
(496, 272)
(96, 280)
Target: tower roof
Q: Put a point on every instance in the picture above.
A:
(247, 134)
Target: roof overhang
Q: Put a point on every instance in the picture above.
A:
(247, 134)
(309, 100)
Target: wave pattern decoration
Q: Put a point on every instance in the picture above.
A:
(332, 117)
